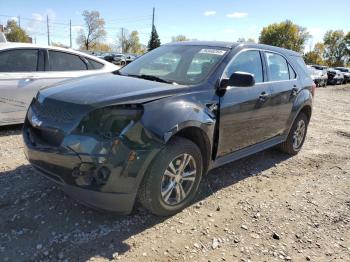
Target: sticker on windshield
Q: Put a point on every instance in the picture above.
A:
(212, 51)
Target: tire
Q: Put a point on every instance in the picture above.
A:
(154, 190)
(122, 63)
(290, 146)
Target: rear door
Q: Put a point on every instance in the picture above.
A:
(284, 87)
(20, 71)
(245, 112)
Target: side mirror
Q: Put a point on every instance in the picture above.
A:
(241, 79)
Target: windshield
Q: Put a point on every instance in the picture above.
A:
(178, 64)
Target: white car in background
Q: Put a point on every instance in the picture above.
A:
(27, 68)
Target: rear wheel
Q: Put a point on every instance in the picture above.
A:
(296, 136)
(172, 180)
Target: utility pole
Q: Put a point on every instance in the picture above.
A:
(19, 21)
(48, 30)
(154, 10)
(70, 32)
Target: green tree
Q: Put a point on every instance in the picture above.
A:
(316, 55)
(154, 41)
(94, 30)
(286, 35)
(14, 33)
(179, 38)
(336, 48)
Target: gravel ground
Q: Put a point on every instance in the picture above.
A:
(267, 207)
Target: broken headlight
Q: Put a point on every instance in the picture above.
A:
(110, 121)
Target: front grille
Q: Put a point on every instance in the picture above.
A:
(52, 113)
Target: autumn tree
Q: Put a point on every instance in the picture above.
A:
(336, 47)
(179, 38)
(58, 44)
(99, 46)
(316, 55)
(130, 43)
(154, 41)
(285, 34)
(93, 32)
(14, 33)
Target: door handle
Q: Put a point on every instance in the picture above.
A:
(263, 96)
(295, 90)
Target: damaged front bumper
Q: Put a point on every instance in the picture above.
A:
(104, 173)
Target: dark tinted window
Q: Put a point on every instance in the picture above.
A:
(19, 60)
(61, 61)
(292, 74)
(277, 67)
(94, 64)
(249, 62)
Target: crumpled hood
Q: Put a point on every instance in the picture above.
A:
(106, 89)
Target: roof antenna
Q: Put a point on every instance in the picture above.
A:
(2, 38)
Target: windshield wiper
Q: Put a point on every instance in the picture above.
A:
(152, 78)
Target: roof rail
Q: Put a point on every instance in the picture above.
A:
(2, 38)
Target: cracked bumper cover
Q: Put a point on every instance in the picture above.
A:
(100, 174)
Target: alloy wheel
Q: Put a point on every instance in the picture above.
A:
(299, 134)
(178, 179)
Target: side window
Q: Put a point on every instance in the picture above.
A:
(94, 64)
(292, 74)
(249, 62)
(61, 61)
(277, 67)
(19, 60)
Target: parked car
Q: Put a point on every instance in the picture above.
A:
(27, 68)
(150, 134)
(117, 59)
(129, 58)
(335, 77)
(320, 77)
(346, 72)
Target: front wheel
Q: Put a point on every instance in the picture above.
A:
(296, 136)
(173, 178)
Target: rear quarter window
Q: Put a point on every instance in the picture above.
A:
(301, 63)
(94, 65)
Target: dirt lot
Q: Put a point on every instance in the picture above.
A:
(267, 207)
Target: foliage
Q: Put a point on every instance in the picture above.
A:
(94, 30)
(316, 55)
(154, 41)
(14, 33)
(130, 43)
(336, 48)
(58, 44)
(243, 40)
(179, 38)
(286, 35)
(99, 46)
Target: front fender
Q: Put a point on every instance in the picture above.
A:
(164, 119)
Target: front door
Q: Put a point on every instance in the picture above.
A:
(245, 112)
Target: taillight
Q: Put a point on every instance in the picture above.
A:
(313, 89)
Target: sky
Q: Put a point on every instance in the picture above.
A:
(221, 20)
